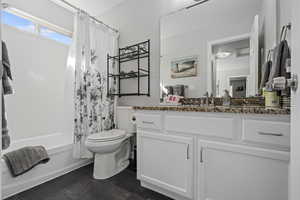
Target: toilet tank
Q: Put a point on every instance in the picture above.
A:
(124, 119)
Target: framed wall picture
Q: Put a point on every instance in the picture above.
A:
(186, 67)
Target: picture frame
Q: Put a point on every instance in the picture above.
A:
(185, 67)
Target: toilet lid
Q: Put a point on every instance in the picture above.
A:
(107, 136)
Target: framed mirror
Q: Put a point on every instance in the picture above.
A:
(215, 46)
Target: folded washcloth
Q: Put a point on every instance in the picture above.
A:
(22, 160)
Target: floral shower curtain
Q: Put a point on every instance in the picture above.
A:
(94, 111)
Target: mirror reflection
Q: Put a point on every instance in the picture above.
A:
(231, 68)
(215, 46)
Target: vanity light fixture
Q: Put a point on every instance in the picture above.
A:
(223, 54)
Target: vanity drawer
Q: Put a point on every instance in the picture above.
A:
(149, 121)
(211, 126)
(267, 132)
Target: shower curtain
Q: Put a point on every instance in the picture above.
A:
(94, 111)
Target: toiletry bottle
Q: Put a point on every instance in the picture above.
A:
(226, 98)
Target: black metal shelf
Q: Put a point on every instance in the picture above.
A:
(130, 56)
(131, 53)
(130, 75)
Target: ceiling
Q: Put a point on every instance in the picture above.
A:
(93, 7)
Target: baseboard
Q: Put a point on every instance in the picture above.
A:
(13, 189)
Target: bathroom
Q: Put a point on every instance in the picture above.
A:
(119, 99)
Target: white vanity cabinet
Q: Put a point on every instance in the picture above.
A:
(235, 172)
(213, 156)
(167, 162)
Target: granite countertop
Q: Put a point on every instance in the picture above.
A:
(217, 109)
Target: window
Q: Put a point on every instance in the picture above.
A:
(26, 22)
(46, 32)
(18, 22)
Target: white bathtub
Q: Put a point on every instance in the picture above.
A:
(60, 150)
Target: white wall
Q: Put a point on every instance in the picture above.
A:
(269, 25)
(284, 15)
(295, 136)
(274, 15)
(38, 68)
(139, 20)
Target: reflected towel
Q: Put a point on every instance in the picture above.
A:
(22, 160)
(265, 74)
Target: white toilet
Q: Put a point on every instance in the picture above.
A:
(112, 148)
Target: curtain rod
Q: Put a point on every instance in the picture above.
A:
(197, 4)
(94, 18)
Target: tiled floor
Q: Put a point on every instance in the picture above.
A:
(80, 185)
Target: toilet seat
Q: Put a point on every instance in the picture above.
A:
(106, 136)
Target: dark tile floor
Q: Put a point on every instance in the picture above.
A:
(80, 185)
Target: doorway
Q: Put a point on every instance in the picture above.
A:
(238, 87)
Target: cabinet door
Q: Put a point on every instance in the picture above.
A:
(233, 172)
(167, 162)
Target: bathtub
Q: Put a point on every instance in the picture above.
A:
(59, 147)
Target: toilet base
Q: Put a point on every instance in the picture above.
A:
(110, 164)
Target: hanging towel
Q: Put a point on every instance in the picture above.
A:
(281, 54)
(5, 136)
(23, 160)
(7, 89)
(265, 74)
(6, 76)
(5, 60)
